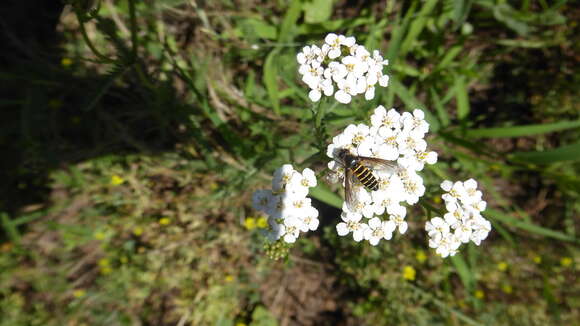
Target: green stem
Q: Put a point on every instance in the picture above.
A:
(133, 22)
(317, 116)
(88, 40)
(444, 306)
(431, 208)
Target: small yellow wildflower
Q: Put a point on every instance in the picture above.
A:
(79, 293)
(229, 278)
(213, 186)
(103, 262)
(241, 324)
(566, 261)
(55, 103)
(123, 260)
(99, 235)
(116, 180)
(6, 247)
(250, 223)
(262, 222)
(437, 200)
(66, 62)
(479, 294)
(164, 221)
(106, 270)
(409, 273)
(506, 288)
(421, 256)
(494, 167)
(502, 266)
(138, 231)
(537, 259)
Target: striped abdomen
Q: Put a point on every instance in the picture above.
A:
(365, 176)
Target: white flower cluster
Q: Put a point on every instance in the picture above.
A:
(462, 222)
(289, 210)
(343, 62)
(392, 137)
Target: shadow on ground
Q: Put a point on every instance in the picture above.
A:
(55, 113)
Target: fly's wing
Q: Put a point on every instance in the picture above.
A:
(379, 164)
(350, 190)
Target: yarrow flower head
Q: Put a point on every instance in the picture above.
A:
(463, 221)
(394, 137)
(289, 210)
(342, 65)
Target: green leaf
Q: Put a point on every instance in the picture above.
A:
(406, 69)
(462, 98)
(564, 153)
(262, 317)
(317, 11)
(9, 228)
(509, 16)
(503, 232)
(289, 25)
(531, 44)
(461, 11)
(444, 306)
(528, 226)
(519, 131)
(448, 57)
(332, 25)
(323, 193)
(417, 26)
(270, 80)
(399, 30)
(441, 111)
(464, 272)
(254, 28)
(27, 218)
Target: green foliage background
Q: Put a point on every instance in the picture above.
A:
(131, 147)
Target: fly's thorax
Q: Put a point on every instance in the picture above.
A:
(352, 162)
(346, 158)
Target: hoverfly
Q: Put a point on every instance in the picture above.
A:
(360, 169)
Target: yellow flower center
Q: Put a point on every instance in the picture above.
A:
(352, 226)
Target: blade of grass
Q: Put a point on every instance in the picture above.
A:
(531, 44)
(270, 81)
(464, 272)
(375, 34)
(461, 11)
(325, 195)
(28, 218)
(448, 57)
(289, 22)
(530, 227)
(519, 131)
(563, 153)
(444, 306)
(417, 26)
(462, 98)
(441, 112)
(503, 232)
(9, 228)
(399, 30)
